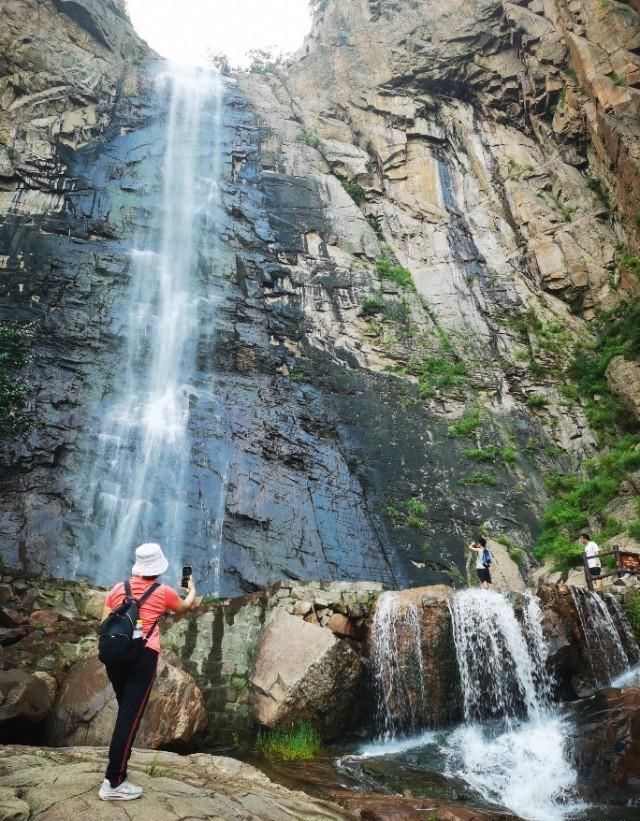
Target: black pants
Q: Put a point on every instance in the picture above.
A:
(132, 684)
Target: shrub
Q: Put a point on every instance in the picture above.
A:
(354, 190)
(309, 138)
(437, 373)
(537, 400)
(300, 742)
(577, 500)
(372, 306)
(632, 610)
(417, 507)
(468, 423)
(396, 273)
(478, 479)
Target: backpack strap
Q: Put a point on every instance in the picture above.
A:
(151, 589)
(127, 589)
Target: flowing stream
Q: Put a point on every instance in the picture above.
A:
(143, 485)
(511, 751)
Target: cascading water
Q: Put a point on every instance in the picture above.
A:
(397, 667)
(602, 638)
(144, 483)
(512, 751)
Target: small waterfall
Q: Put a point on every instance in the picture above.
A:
(397, 667)
(603, 640)
(512, 750)
(625, 631)
(149, 479)
(501, 661)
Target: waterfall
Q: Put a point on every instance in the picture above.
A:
(512, 750)
(603, 641)
(397, 667)
(147, 482)
(501, 661)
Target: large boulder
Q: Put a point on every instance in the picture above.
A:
(303, 671)
(606, 744)
(425, 685)
(25, 700)
(85, 709)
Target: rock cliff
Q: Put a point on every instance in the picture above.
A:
(421, 214)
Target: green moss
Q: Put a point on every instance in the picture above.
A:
(417, 507)
(435, 373)
(300, 742)
(469, 422)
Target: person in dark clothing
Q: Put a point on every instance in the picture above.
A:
(483, 561)
(132, 683)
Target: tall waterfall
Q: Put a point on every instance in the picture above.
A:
(397, 667)
(144, 484)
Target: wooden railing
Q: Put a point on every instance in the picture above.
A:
(626, 562)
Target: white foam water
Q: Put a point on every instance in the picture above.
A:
(518, 759)
(141, 486)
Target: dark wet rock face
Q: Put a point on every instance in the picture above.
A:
(341, 425)
(606, 744)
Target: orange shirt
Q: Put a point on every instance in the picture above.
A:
(162, 599)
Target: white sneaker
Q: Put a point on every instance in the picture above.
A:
(123, 792)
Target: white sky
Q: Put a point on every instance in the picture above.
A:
(182, 30)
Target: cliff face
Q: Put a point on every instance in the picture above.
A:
(413, 233)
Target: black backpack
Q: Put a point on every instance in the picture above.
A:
(116, 644)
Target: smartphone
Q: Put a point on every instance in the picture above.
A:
(187, 572)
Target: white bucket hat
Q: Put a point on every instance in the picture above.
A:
(150, 560)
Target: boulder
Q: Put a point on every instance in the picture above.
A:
(303, 671)
(56, 785)
(605, 735)
(85, 710)
(25, 699)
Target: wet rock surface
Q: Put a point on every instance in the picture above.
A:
(606, 746)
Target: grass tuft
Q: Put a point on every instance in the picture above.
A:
(299, 743)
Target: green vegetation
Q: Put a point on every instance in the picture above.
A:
(537, 400)
(436, 374)
(300, 742)
(15, 340)
(570, 72)
(618, 81)
(372, 306)
(618, 335)
(219, 60)
(594, 184)
(396, 273)
(516, 553)
(354, 190)
(632, 609)
(468, 423)
(576, 500)
(309, 138)
(627, 262)
(492, 453)
(478, 478)
(263, 61)
(412, 516)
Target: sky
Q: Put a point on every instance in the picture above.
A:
(183, 30)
